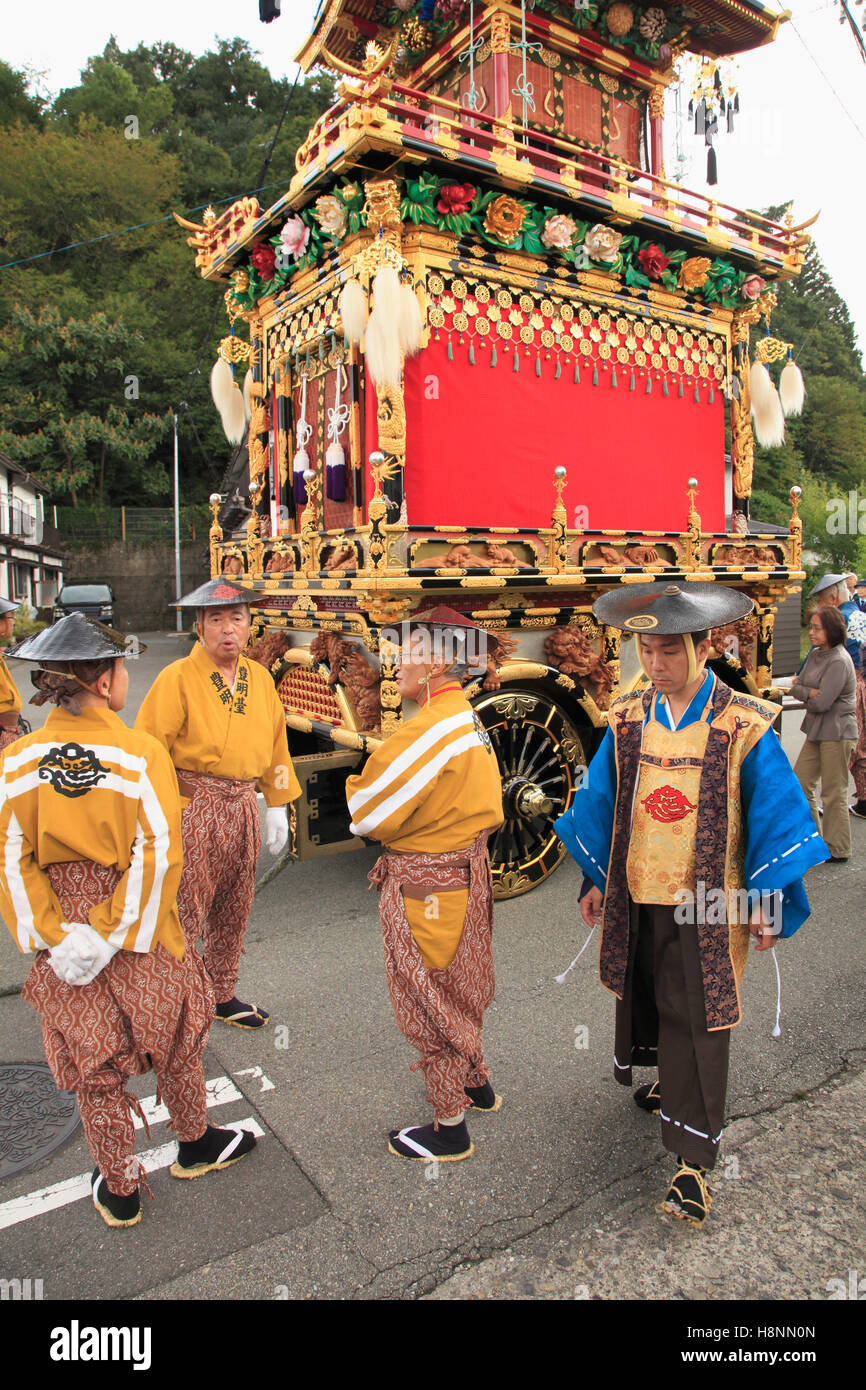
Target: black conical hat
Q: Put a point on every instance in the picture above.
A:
(659, 609)
(75, 638)
(216, 593)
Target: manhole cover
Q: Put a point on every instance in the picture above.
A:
(35, 1118)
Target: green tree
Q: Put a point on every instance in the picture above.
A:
(68, 416)
(825, 447)
(17, 105)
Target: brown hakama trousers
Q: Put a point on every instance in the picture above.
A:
(221, 842)
(440, 1012)
(662, 1014)
(145, 1011)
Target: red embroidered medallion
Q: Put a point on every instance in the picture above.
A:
(667, 804)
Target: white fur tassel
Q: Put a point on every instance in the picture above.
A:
(760, 385)
(382, 349)
(769, 420)
(248, 403)
(221, 384)
(234, 417)
(792, 392)
(354, 311)
(410, 321)
(386, 295)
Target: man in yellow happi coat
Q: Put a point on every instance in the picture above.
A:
(218, 714)
(11, 726)
(431, 794)
(90, 861)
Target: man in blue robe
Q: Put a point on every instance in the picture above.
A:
(693, 833)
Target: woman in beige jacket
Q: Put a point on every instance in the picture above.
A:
(827, 685)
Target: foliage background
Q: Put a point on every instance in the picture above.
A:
(78, 325)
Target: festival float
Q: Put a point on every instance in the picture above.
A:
(494, 358)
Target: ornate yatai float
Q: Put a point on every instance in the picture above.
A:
(491, 356)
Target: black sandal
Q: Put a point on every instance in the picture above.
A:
(423, 1143)
(689, 1198)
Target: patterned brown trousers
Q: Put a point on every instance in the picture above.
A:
(145, 1011)
(440, 1012)
(221, 842)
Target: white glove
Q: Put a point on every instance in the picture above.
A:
(80, 956)
(276, 829)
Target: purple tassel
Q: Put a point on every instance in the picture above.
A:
(335, 483)
(700, 117)
(299, 487)
(730, 117)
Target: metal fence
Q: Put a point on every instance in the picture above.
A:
(136, 525)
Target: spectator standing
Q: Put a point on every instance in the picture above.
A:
(826, 685)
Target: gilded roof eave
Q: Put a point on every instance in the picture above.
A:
(741, 27)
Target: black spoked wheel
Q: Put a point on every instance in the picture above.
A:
(542, 757)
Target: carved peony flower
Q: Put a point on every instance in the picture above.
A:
(694, 272)
(653, 261)
(451, 9)
(263, 259)
(331, 215)
(504, 219)
(294, 238)
(753, 287)
(602, 244)
(559, 232)
(455, 197)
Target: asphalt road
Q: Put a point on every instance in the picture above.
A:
(321, 1210)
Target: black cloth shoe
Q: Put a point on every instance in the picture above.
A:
(239, 1015)
(838, 859)
(483, 1098)
(114, 1210)
(858, 809)
(649, 1098)
(217, 1148)
(447, 1144)
(689, 1198)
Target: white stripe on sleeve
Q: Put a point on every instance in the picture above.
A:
(425, 741)
(414, 784)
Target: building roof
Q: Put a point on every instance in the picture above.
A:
(712, 27)
(7, 462)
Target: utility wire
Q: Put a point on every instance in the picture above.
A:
(137, 226)
(827, 80)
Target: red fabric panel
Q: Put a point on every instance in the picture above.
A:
(625, 144)
(484, 451)
(581, 111)
(540, 79)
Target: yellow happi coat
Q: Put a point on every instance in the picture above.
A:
(86, 787)
(433, 786)
(10, 700)
(208, 728)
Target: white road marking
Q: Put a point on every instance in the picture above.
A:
(257, 1075)
(220, 1091)
(61, 1194)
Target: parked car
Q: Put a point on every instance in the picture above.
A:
(93, 600)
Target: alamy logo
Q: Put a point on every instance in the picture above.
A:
(77, 1343)
(20, 1290)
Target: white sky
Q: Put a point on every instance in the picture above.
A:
(794, 138)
